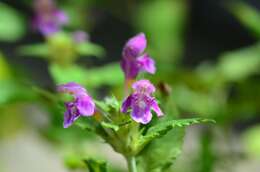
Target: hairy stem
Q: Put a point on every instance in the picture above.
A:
(131, 163)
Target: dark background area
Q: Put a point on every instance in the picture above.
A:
(210, 31)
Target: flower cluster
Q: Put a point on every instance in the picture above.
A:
(48, 19)
(141, 101)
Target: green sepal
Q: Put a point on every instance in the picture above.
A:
(113, 103)
(110, 125)
(87, 124)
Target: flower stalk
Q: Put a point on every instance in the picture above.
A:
(131, 164)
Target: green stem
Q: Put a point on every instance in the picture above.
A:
(131, 163)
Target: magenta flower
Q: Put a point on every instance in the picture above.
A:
(134, 59)
(82, 104)
(141, 102)
(48, 19)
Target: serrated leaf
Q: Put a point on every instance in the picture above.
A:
(84, 126)
(35, 50)
(87, 124)
(96, 165)
(88, 48)
(164, 144)
(162, 128)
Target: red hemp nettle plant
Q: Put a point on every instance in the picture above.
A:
(122, 125)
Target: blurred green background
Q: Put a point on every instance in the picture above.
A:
(206, 51)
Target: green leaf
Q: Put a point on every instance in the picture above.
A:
(160, 154)
(36, 50)
(63, 74)
(96, 165)
(163, 21)
(12, 25)
(240, 64)
(5, 72)
(162, 128)
(164, 145)
(88, 48)
(247, 15)
(251, 141)
(110, 125)
(85, 124)
(74, 161)
(208, 104)
(12, 91)
(110, 74)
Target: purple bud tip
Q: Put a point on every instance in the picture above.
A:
(135, 46)
(134, 59)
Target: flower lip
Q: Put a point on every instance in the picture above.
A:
(141, 102)
(81, 105)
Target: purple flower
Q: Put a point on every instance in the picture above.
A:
(80, 36)
(141, 102)
(134, 59)
(48, 19)
(82, 104)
